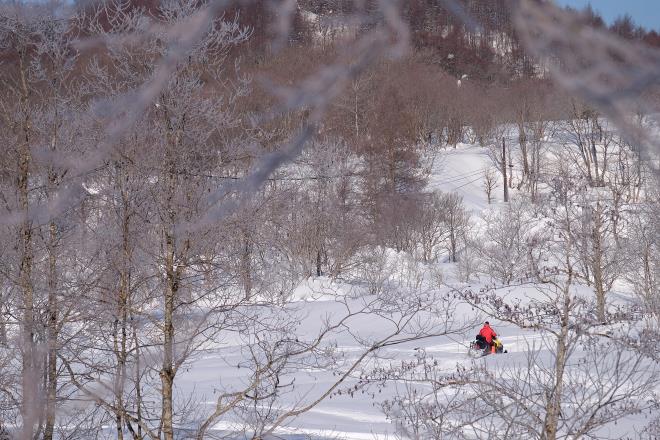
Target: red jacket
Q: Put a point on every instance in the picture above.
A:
(488, 333)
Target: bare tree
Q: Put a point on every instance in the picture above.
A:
(457, 220)
(588, 224)
(540, 131)
(499, 154)
(490, 183)
(590, 134)
(641, 254)
(510, 248)
(38, 102)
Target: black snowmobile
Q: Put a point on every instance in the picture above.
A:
(480, 347)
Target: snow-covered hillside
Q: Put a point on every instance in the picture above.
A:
(367, 405)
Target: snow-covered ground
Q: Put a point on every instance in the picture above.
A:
(461, 170)
(359, 416)
(341, 416)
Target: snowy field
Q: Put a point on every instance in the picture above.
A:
(343, 416)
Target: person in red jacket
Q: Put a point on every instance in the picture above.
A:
(488, 334)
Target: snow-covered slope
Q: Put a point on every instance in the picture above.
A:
(461, 170)
(358, 416)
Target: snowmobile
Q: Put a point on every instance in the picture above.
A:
(480, 347)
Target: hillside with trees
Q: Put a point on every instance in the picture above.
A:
(288, 219)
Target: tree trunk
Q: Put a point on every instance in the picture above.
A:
(120, 332)
(172, 277)
(319, 261)
(597, 269)
(246, 265)
(522, 139)
(52, 337)
(29, 370)
(120, 353)
(53, 306)
(596, 257)
(503, 163)
(3, 330)
(586, 156)
(167, 370)
(452, 243)
(356, 116)
(138, 385)
(593, 151)
(600, 295)
(553, 405)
